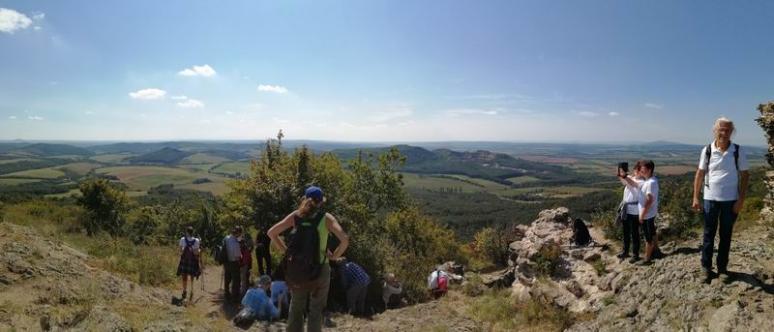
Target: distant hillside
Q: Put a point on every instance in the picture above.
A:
(166, 156)
(47, 150)
(479, 164)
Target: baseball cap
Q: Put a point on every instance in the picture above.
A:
(314, 193)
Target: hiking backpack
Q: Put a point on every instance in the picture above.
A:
(219, 254)
(580, 233)
(708, 154)
(443, 281)
(188, 254)
(302, 259)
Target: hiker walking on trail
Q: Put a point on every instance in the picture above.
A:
(630, 213)
(231, 265)
(354, 281)
(307, 271)
(263, 252)
(246, 263)
(723, 175)
(190, 265)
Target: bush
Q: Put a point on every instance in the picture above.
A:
(105, 206)
(548, 260)
(492, 245)
(473, 286)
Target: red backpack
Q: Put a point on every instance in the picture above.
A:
(443, 282)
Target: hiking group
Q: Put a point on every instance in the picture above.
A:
(299, 286)
(722, 177)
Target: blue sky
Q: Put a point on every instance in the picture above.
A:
(535, 71)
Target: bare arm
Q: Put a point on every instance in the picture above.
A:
(280, 227)
(335, 228)
(698, 181)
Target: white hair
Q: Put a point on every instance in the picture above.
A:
(723, 120)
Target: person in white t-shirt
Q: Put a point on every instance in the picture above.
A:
(723, 174)
(190, 265)
(648, 208)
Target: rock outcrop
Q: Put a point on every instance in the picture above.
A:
(766, 121)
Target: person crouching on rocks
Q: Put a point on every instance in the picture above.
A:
(438, 282)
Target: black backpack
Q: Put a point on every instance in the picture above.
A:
(302, 259)
(580, 233)
(219, 254)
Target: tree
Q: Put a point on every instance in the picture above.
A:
(105, 206)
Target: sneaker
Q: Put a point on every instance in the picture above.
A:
(647, 262)
(182, 297)
(623, 255)
(725, 276)
(328, 322)
(634, 259)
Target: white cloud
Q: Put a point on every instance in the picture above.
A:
(36, 28)
(179, 97)
(204, 71)
(272, 88)
(588, 114)
(38, 16)
(190, 103)
(12, 117)
(11, 20)
(470, 111)
(35, 118)
(654, 106)
(613, 114)
(148, 94)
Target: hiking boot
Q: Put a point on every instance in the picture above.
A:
(634, 259)
(647, 262)
(623, 255)
(708, 276)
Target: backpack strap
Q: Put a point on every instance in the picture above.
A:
(707, 156)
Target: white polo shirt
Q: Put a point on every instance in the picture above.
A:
(650, 186)
(723, 176)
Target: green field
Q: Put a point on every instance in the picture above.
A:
(436, 183)
(80, 168)
(112, 158)
(14, 182)
(203, 158)
(234, 167)
(523, 179)
(142, 178)
(40, 173)
(15, 160)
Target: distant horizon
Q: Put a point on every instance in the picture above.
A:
(386, 143)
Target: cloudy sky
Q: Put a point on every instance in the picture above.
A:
(537, 71)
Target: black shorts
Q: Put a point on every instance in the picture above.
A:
(649, 229)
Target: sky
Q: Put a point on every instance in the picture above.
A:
(517, 71)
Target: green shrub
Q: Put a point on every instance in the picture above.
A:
(493, 245)
(473, 285)
(548, 260)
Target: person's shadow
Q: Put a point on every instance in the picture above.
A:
(750, 280)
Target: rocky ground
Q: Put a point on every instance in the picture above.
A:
(47, 285)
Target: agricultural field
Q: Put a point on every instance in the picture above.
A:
(203, 158)
(79, 168)
(232, 168)
(113, 158)
(15, 182)
(41, 173)
(142, 178)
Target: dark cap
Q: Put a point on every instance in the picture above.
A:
(315, 193)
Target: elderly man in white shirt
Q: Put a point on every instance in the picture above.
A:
(723, 174)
